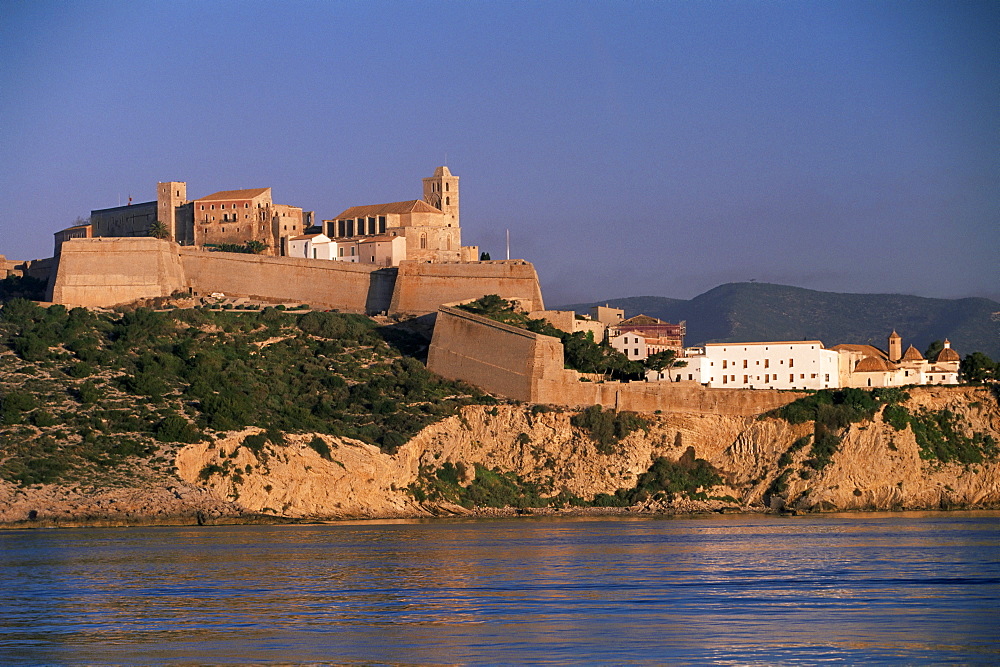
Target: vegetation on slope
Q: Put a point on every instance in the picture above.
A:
(81, 392)
(581, 352)
(942, 435)
(687, 477)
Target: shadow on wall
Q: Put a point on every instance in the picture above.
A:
(380, 289)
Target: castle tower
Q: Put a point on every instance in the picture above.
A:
(895, 347)
(441, 191)
(169, 196)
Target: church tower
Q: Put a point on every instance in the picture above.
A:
(895, 347)
(441, 191)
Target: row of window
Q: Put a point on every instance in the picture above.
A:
(436, 187)
(767, 363)
(211, 207)
(768, 378)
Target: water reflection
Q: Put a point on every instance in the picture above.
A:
(727, 589)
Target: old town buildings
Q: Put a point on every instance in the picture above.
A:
(382, 234)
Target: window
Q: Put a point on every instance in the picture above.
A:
(746, 379)
(744, 363)
(827, 377)
(791, 377)
(447, 186)
(791, 362)
(723, 363)
(447, 201)
(381, 224)
(213, 207)
(813, 376)
(371, 226)
(724, 379)
(767, 363)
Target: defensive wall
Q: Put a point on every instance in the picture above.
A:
(111, 271)
(422, 286)
(526, 366)
(34, 268)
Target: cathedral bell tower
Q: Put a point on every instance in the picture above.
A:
(441, 191)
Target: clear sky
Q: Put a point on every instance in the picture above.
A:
(631, 148)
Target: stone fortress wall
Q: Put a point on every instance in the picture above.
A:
(528, 367)
(102, 272)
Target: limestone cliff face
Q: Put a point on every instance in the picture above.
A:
(876, 466)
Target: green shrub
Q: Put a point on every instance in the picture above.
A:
(896, 416)
(319, 445)
(174, 428)
(607, 429)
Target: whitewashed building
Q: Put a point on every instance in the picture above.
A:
(311, 246)
(631, 344)
(768, 365)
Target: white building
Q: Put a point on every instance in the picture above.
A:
(768, 365)
(311, 246)
(632, 345)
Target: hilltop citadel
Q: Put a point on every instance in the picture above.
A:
(406, 258)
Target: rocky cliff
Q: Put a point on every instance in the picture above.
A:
(763, 462)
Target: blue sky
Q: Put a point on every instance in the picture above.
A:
(631, 148)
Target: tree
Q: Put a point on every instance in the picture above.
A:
(159, 230)
(256, 247)
(933, 350)
(977, 367)
(484, 257)
(665, 360)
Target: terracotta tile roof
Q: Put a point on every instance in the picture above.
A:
(234, 194)
(912, 354)
(411, 206)
(304, 237)
(948, 354)
(642, 319)
(873, 365)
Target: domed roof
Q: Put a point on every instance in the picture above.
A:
(948, 354)
(872, 365)
(912, 354)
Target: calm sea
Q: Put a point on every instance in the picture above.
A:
(857, 589)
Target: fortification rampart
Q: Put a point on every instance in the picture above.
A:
(528, 367)
(423, 286)
(111, 271)
(319, 283)
(499, 358)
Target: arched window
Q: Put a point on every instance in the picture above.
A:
(423, 241)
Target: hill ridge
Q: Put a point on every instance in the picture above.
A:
(755, 311)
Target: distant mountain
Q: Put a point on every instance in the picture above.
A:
(738, 312)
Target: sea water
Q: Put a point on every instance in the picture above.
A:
(729, 589)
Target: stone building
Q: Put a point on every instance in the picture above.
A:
(430, 226)
(240, 216)
(230, 216)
